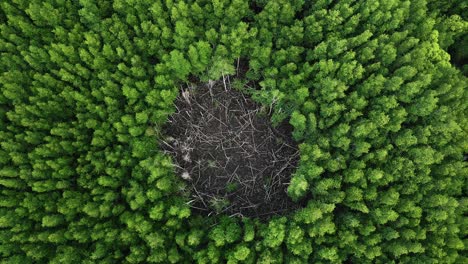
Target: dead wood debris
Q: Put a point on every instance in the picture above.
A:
(229, 154)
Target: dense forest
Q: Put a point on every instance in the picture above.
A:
(375, 91)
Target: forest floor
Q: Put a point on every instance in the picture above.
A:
(234, 161)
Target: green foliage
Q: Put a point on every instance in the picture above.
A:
(220, 68)
(367, 86)
(298, 121)
(275, 233)
(241, 253)
(298, 187)
(179, 65)
(232, 186)
(225, 232)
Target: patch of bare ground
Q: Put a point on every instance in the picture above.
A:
(232, 159)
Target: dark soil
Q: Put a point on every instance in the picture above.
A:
(226, 150)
